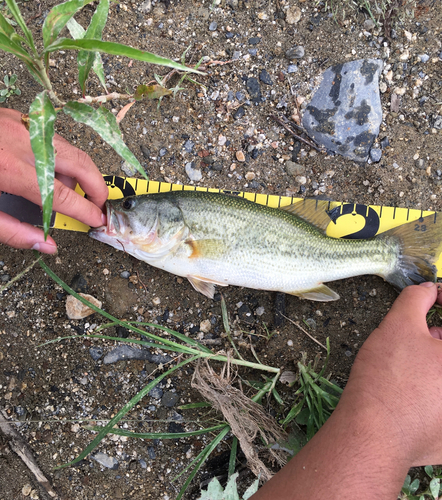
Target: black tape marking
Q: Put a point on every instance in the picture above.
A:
(372, 220)
(115, 182)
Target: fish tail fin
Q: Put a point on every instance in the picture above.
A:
(420, 245)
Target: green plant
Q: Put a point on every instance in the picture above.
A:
(43, 111)
(317, 396)
(216, 492)
(432, 491)
(11, 88)
(187, 351)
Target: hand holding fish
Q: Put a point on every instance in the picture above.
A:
(388, 418)
(18, 177)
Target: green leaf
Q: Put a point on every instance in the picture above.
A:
(151, 91)
(116, 49)
(77, 31)
(214, 491)
(5, 27)
(232, 459)
(407, 483)
(3, 92)
(429, 470)
(41, 131)
(414, 486)
(231, 491)
(12, 80)
(15, 11)
(435, 487)
(58, 17)
(105, 124)
(161, 435)
(17, 92)
(251, 490)
(14, 48)
(86, 59)
(2, 99)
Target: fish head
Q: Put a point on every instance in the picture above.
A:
(146, 226)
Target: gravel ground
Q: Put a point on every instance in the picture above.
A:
(221, 137)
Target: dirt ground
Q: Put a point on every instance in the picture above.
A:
(51, 389)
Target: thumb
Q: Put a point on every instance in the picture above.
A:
(411, 307)
(22, 235)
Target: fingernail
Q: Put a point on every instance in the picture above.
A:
(103, 219)
(427, 284)
(45, 247)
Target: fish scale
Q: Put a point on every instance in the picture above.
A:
(215, 239)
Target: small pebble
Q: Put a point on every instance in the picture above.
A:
(188, 146)
(424, 58)
(250, 176)
(213, 25)
(169, 399)
(295, 52)
(253, 52)
(240, 112)
(96, 353)
(255, 40)
(77, 310)
(205, 326)
(26, 490)
(125, 275)
(105, 460)
(156, 392)
(290, 343)
(375, 154)
(240, 156)
(292, 68)
(193, 173)
(293, 15)
(265, 77)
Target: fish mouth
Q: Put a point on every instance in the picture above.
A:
(112, 229)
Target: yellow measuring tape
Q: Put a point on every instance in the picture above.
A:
(350, 220)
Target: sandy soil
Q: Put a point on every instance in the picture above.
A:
(51, 389)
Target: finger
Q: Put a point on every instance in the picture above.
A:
(411, 307)
(75, 163)
(22, 235)
(436, 332)
(68, 202)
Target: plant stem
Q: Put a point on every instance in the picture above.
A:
(47, 83)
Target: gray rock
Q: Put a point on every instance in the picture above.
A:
(254, 89)
(295, 52)
(217, 166)
(369, 24)
(253, 52)
(125, 275)
(156, 392)
(105, 460)
(145, 7)
(265, 77)
(213, 25)
(294, 168)
(438, 122)
(255, 40)
(375, 154)
(345, 113)
(188, 146)
(96, 353)
(193, 173)
(5, 278)
(128, 169)
(146, 151)
(424, 58)
(292, 68)
(124, 352)
(169, 399)
(240, 112)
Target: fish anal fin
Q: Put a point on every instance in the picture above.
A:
(205, 286)
(312, 211)
(322, 293)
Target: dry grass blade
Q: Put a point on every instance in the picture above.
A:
(305, 331)
(246, 418)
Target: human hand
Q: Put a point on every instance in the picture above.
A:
(388, 418)
(399, 371)
(18, 177)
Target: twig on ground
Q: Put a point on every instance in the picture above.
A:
(305, 331)
(19, 446)
(309, 143)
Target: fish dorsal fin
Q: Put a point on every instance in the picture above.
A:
(312, 211)
(205, 286)
(321, 293)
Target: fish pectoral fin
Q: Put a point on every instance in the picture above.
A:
(204, 248)
(312, 211)
(322, 293)
(205, 286)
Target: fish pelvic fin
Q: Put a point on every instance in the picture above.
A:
(322, 293)
(313, 211)
(205, 286)
(420, 245)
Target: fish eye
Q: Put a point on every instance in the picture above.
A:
(128, 203)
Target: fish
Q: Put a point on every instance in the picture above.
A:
(217, 239)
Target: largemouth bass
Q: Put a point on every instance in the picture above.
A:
(214, 239)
